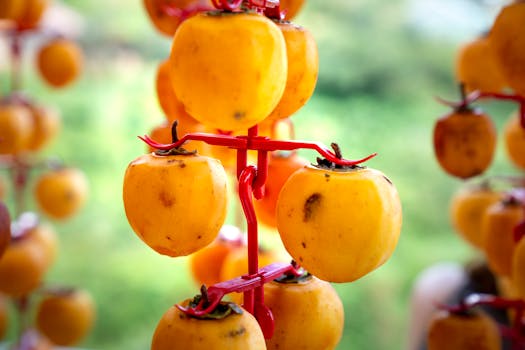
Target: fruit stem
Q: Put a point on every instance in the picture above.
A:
(16, 59)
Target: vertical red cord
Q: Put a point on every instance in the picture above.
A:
(16, 52)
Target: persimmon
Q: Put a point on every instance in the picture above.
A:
(303, 69)
(514, 137)
(467, 209)
(472, 331)
(518, 270)
(229, 69)
(32, 13)
(291, 7)
(60, 193)
(11, 9)
(44, 238)
(507, 39)
(235, 264)
(280, 167)
(3, 188)
(477, 67)
(22, 268)
(15, 128)
(59, 62)
(206, 264)
(65, 316)
(4, 317)
(339, 224)
(162, 20)
(308, 314)
(234, 329)
(464, 142)
(175, 203)
(5, 228)
(46, 124)
(498, 225)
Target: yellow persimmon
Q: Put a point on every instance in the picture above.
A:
(46, 124)
(291, 7)
(303, 68)
(176, 204)
(15, 128)
(339, 224)
(60, 62)
(229, 69)
(514, 137)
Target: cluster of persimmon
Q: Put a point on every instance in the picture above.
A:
(488, 214)
(229, 71)
(465, 139)
(28, 246)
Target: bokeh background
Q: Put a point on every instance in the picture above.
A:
(381, 65)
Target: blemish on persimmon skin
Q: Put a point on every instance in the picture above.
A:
(166, 200)
(236, 332)
(310, 205)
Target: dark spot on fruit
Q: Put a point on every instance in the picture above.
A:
(327, 177)
(387, 180)
(182, 164)
(236, 332)
(301, 259)
(239, 115)
(199, 237)
(166, 199)
(303, 244)
(311, 204)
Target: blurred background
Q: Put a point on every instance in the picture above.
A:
(381, 65)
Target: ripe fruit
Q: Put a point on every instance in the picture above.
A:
(11, 9)
(477, 68)
(59, 62)
(44, 238)
(15, 128)
(46, 123)
(65, 316)
(206, 264)
(303, 68)
(339, 224)
(229, 69)
(498, 225)
(518, 269)
(507, 39)
(5, 228)
(3, 316)
(176, 203)
(21, 268)
(3, 188)
(467, 208)
(61, 193)
(514, 136)
(474, 331)
(235, 264)
(32, 13)
(308, 314)
(168, 101)
(280, 167)
(464, 142)
(236, 331)
(291, 7)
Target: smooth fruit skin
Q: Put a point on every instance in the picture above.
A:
(164, 23)
(206, 264)
(308, 315)
(514, 137)
(176, 330)
(229, 70)
(175, 204)
(477, 68)
(11, 9)
(466, 212)
(498, 225)
(280, 168)
(339, 225)
(45, 240)
(168, 101)
(61, 193)
(32, 13)
(507, 39)
(518, 269)
(460, 332)
(65, 318)
(15, 128)
(303, 69)
(22, 268)
(464, 143)
(59, 62)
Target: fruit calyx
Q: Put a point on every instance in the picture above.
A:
(176, 150)
(323, 163)
(221, 311)
(296, 276)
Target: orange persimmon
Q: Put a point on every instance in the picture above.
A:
(59, 62)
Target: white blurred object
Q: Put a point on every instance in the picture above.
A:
(434, 285)
(63, 19)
